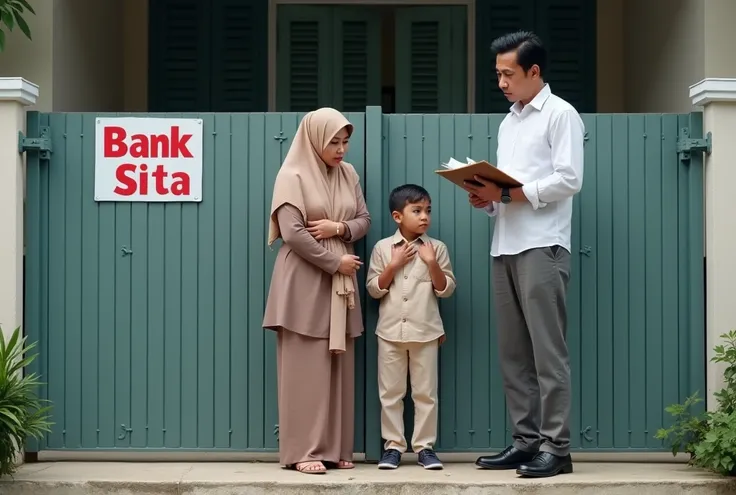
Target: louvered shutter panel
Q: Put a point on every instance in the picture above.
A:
(179, 56)
(305, 51)
(495, 18)
(357, 58)
(239, 58)
(567, 28)
(431, 60)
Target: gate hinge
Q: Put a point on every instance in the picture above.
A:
(41, 144)
(686, 145)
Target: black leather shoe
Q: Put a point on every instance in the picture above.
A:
(510, 458)
(545, 465)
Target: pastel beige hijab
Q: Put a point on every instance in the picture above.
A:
(320, 191)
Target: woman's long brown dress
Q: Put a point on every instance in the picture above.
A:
(315, 387)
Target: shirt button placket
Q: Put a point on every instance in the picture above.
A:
(403, 309)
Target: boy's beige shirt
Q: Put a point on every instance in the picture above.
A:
(408, 310)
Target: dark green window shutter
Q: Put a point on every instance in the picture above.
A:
(357, 60)
(495, 18)
(567, 28)
(431, 59)
(239, 80)
(304, 55)
(180, 47)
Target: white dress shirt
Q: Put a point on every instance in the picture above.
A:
(540, 145)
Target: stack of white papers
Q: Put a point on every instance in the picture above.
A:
(452, 163)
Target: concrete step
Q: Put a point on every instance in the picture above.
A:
(227, 478)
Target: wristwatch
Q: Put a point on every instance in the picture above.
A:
(505, 196)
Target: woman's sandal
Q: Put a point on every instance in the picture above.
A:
(310, 467)
(345, 465)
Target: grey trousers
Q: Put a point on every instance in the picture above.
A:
(530, 297)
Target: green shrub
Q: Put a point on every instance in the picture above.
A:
(22, 414)
(709, 437)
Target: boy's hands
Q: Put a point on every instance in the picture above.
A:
(401, 255)
(427, 253)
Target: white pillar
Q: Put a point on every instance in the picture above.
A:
(717, 96)
(15, 94)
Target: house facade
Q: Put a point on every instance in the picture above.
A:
(392, 66)
(424, 55)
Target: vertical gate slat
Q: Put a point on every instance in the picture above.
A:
(221, 325)
(588, 333)
(444, 213)
(461, 247)
(654, 381)
(670, 282)
(694, 174)
(57, 333)
(275, 149)
(482, 345)
(257, 214)
(500, 433)
(602, 149)
(620, 302)
(143, 432)
(241, 192)
(206, 215)
(376, 168)
(73, 263)
(161, 400)
(356, 157)
(33, 287)
(637, 281)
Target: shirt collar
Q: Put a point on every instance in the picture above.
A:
(399, 239)
(537, 102)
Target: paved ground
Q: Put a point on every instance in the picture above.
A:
(228, 478)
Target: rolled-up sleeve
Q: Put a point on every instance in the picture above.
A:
(566, 139)
(296, 236)
(491, 209)
(375, 269)
(443, 259)
(357, 227)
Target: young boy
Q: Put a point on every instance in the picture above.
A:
(407, 273)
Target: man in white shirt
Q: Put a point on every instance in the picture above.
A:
(540, 143)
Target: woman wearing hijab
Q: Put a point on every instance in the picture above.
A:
(318, 210)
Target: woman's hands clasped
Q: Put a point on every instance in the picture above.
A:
(322, 229)
(349, 264)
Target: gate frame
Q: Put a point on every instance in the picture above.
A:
(691, 146)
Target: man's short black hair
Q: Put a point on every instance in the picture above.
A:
(406, 194)
(528, 46)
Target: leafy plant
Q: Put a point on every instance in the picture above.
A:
(709, 437)
(11, 14)
(688, 430)
(21, 413)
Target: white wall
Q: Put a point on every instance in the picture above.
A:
(86, 55)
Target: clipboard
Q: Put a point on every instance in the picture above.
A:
(457, 173)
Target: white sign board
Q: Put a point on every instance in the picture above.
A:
(148, 159)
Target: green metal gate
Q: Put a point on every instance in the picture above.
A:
(148, 315)
(636, 319)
